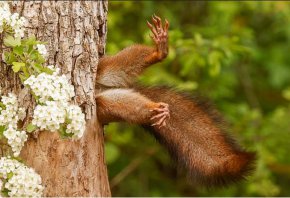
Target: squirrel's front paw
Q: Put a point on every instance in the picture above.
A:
(160, 36)
(162, 114)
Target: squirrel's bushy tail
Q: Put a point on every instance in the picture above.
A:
(195, 137)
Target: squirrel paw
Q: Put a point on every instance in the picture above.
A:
(160, 35)
(161, 116)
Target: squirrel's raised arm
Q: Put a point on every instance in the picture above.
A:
(121, 69)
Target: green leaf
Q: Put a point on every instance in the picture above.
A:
(35, 97)
(63, 133)
(2, 105)
(17, 66)
(22, 77)
(18, 159)
(68, 135)
(10, 41)
(30, 41)
(25, 72)
(9, 57)
(62, 129)
(34, 55)
(18, 50)
(214, 59)
(30, 128)
(30, 49)
(5, 192)
(2, 129)
(37, 67)
(9, 175)
(41, 59)
(47, 70)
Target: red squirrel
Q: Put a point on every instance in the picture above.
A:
(192, 131)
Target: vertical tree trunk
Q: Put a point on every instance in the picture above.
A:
(75, 32)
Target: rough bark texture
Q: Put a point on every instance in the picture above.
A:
(75, 32)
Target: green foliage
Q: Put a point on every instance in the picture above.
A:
(5, 192)
(63, 132)
(10, 41)
(2, 106)
(24, 50)
(2, 129)
(234, 53)
(30, 128)
(16, 66)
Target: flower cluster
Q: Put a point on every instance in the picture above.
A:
(10, 114)
(54, 111)
(77, 123)
(16, 139)
(41, 49)
(49, 116)
(54, 93)
(11, 20)
(18, 180)
(51, 87)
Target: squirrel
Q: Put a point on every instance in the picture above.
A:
(191, 130)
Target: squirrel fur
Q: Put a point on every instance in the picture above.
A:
(191, 130)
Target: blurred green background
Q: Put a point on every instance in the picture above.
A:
(234, 53)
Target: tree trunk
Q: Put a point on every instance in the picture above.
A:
(75, 32)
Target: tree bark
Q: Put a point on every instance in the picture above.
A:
(75, 32)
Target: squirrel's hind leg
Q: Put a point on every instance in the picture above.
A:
(128, 105)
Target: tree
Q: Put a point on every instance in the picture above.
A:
(75, 32)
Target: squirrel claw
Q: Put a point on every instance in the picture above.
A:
(161, 116)
(160, 35)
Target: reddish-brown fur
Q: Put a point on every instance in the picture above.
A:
(194, 134)
(124, 105)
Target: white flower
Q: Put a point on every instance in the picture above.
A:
(21, 113)
(41, 49)
(10, 114)
(49, 116)
(77, 124)
(23, 181)
(13, 20)
(54, 93)
(16, 139)
(9, 133)
(4, 13)
(19, 32)
(51, 87)
(56, 70)
(9, 100)
(9, 117)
